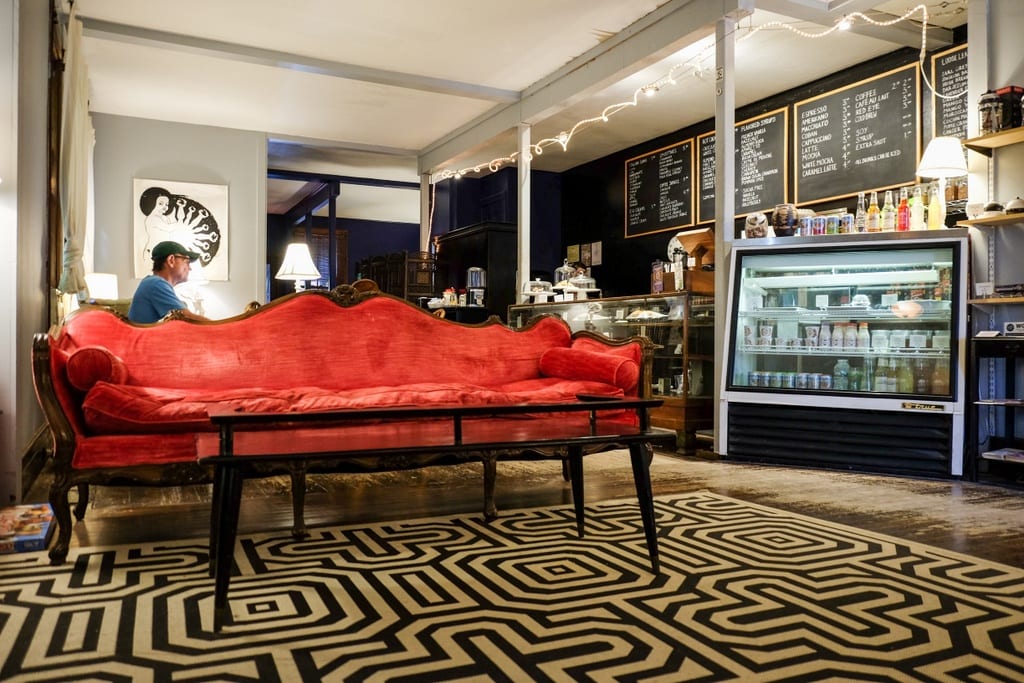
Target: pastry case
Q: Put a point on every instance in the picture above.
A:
(682, 327)
(848, 352)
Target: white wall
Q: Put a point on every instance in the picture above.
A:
(128, 148)
(24, 28)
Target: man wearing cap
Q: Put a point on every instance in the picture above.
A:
(154, 298)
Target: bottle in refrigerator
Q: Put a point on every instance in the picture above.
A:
(904, 377)
(881, 380)
(868, 381)
(940, 377)
(838, 336)
(841, 375)
(922, 377)
(825, 336)
(863, 336)
(888, 213)
(856, 378)
(850, 336)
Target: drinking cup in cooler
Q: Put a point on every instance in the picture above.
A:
(880, 339)
(898, 339)
(767, 330)
(917, 339)
(940, 340)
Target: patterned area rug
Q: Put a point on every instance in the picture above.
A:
(746, 593)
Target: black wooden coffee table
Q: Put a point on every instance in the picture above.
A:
(400, 435)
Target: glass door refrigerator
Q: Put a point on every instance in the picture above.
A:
(847, 352)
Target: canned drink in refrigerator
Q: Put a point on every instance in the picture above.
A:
(754, 378)
(818, 223)
(803, 380)
(824, 381)
(806, 226)
(813, 380)
(775, 380)
(831, 225)
(789, 380)
(846, 223)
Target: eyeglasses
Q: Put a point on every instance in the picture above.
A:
(180, 256)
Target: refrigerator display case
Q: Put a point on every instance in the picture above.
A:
(682, 327)
(848, 352)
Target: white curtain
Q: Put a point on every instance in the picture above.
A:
(76, 144)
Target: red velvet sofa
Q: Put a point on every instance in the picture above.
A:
(125, 401)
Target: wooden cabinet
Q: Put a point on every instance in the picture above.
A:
(681, 325)
(491, 246)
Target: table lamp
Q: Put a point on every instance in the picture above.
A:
(298, 266)
(943, 158)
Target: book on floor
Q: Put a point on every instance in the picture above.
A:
(1011, 454)
(24, 528)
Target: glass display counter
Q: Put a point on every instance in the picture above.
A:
(682, 327)
(849, 351)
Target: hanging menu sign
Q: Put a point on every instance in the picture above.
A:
(659, 190)
(760, 165)
(949, 76)
(861, 137)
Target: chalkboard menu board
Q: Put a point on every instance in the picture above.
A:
(659, 190)
(949, 76)
(860, 137)
(761, 168)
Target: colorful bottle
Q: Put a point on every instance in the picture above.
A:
(841, 375)
(904, 378)
(856, 378)
(850, 336)
(917, 210)
(903, 212)
(888, 214)
(861, 216)
(881, 381)
(940, 377)
(873, 222)
(935, 217)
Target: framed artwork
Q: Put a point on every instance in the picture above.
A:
(192, 214)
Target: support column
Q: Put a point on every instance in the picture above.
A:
(425, 212)
(523, 198)
(725, 201)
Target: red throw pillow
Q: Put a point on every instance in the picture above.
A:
(91, 364)
(577, 364)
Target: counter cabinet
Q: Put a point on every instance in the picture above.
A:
(682, 327)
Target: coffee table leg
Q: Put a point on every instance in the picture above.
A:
(575, 461)
(640, 454)
(231, 499)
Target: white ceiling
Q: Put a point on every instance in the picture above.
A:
(382, 89)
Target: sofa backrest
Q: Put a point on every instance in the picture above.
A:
(310, 340)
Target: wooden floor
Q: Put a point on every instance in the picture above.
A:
(984, 521)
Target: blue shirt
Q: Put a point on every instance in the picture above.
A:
(154, 298)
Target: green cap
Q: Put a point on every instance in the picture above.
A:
(164, 249)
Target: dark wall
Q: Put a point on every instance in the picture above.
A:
(626, 263)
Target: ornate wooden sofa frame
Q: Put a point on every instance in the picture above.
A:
(126, 402)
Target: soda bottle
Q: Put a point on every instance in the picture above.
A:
(881, 382)
(856, 378)
(861, 216)
(903, 212)
(873, 222)
(888, 213)
(917, 210)
(922, 378)
(940, 377)
(904, 378)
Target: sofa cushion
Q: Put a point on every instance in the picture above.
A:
(579, 364)
(91, 364)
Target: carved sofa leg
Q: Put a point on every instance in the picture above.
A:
(83, 502)
(490, 462)
(62, 516)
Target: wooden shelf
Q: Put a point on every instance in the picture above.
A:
(984, 144)
(989, 301)
(1008, 219)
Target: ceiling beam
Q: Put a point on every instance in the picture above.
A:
(903, 34)
(657, 35)
(108, 30)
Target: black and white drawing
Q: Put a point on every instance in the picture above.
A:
(192, 214)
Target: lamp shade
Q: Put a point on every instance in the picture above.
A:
(943, 158)
(298, 264)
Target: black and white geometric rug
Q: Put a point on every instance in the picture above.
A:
(746, 593)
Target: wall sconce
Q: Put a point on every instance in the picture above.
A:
(298, 266)
(943, 158)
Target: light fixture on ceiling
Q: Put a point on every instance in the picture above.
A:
(298, 266)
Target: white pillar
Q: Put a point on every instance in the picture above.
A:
(425, 212)
(523, 198)
(725, 203)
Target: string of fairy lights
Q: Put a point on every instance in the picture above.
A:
(695, 67)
